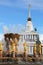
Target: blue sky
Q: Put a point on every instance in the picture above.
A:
(14, 14)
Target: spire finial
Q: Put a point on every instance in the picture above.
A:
(29, 10)
(29, 17)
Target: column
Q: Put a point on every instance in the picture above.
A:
(32, 49)
(25, 37)
(21, 37)
(32, 37)
(29, 37)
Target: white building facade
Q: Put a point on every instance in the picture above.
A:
(29, 35)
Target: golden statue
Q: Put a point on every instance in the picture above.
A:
(13, 47)
(25, 49)
(1, 49)
(34, 49)
(40, 49)
(37, 49)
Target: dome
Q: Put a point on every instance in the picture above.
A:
(29, 19)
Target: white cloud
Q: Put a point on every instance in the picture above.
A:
(1, 36)
(41, 37)
(36, 4)
(13, 28)
(6, 29)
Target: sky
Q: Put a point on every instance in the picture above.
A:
(14, 14)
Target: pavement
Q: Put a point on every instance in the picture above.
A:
(22, 63)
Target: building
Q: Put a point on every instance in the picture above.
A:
(29, 35)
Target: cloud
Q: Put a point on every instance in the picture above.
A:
(1, 36)
(13, 28)
(35, 4)
(41, 37)
(6, 29)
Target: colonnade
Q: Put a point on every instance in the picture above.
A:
(27, 37)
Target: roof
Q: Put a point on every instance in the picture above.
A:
(29, 19)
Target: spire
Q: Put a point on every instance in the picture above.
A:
(29, 25)
(29, 17)
(29, 10)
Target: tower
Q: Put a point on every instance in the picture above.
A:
(29, 25)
